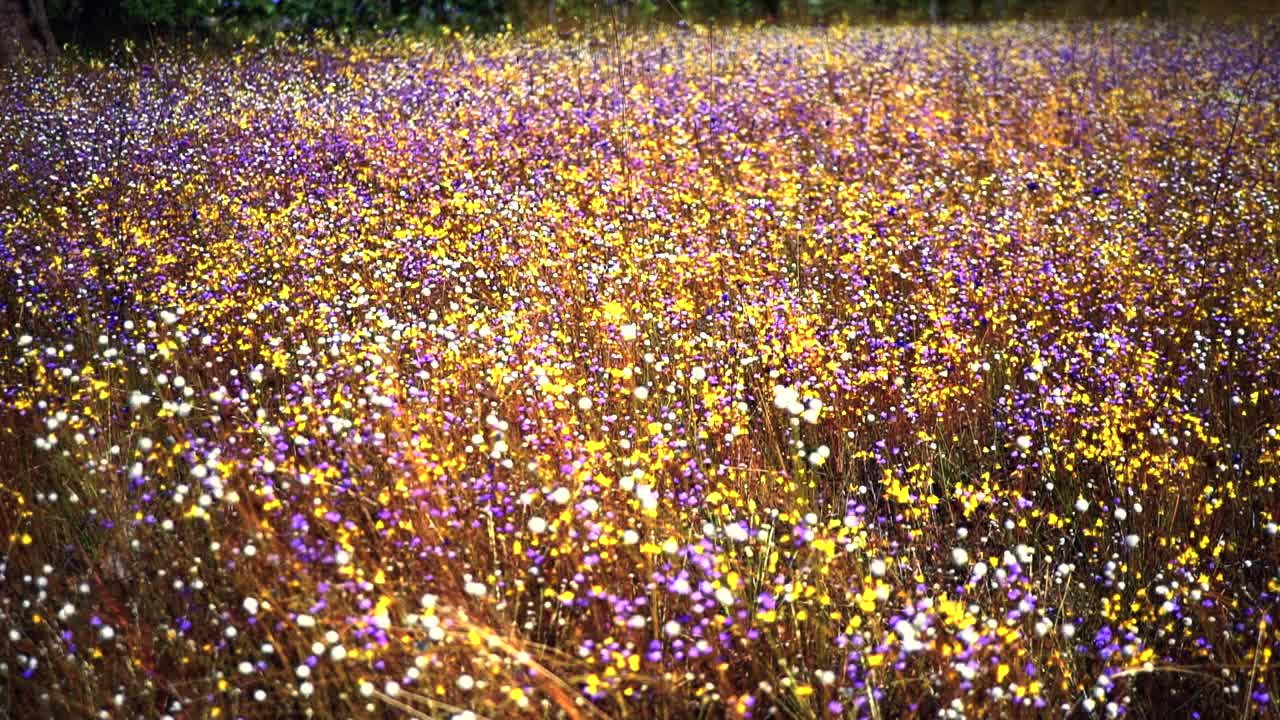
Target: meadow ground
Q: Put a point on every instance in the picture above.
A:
(836, 372)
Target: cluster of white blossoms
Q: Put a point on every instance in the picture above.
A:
(788, 398)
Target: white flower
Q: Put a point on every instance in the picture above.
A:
(475, 589)
(392, 688)
(878, 568)
(366, 688)
(302, 671)
(630, 537)
(67, 611)
(107, 632)
(465, 683)
(306, 621)
(537, 525)
(561, 495)
(784, 397)
(672, 628)
(698, 374)
(24, 341)
(641, 392)
(251, 605)
(1082, 505)
(245, 667)
(628, 331)
(584, 403)
(306, 689)
(724, 596)
(959, 557)
(909, 636)
(812, 412)
(737, 533)
(337, 653)
(647, 496)
(1024, 442)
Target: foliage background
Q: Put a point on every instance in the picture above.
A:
(90, 21)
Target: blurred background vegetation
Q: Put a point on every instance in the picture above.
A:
(94, 21)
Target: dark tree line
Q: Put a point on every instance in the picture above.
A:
(29, 27)
(25, 30)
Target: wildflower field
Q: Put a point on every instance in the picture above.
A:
(678, 373)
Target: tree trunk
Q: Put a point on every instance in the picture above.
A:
(24, 31)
